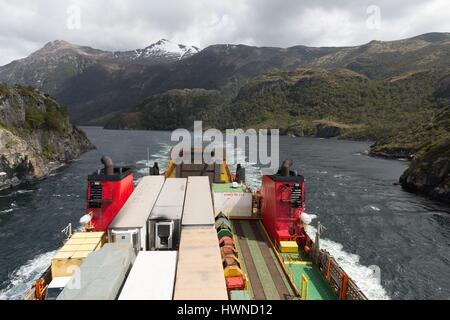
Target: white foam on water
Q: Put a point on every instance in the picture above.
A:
(162, 157)
(24, 191)
(363, 276)
(143, 162)
(143, 171)
(252, 170)
(6, 195)
(24, 277)
(7, 211)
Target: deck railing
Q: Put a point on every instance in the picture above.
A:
(342, 285)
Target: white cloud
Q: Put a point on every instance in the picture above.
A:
(26, 25)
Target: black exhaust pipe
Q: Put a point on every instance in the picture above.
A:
(109, 166)
(286, 168)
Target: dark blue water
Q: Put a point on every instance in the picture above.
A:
(369, 220)
(405, 235)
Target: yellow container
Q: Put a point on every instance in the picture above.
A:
(70, 257)
(233, 271)
(288, 247)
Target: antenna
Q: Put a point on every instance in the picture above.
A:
(148, 161)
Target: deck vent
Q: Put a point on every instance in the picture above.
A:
(164, 235)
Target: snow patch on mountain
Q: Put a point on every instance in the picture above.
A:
(166, 48)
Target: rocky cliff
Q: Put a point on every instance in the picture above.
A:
(429, 172)
(36, 136)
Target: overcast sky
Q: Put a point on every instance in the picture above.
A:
(26, 25)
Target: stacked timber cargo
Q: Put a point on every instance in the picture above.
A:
(199, 270)
(130, 224)
(164, 225)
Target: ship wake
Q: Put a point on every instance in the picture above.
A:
(365, 277)
(24, 277)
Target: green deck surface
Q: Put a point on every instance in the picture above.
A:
(318, 288)
(263, 272)
(239, 295)
(270, 287)
(227, 188)
(269, 280)
(244, 269)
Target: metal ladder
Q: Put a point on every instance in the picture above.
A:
(296, 196)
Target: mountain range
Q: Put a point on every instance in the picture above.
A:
(95, 83)
(389, 92)
(87, 79)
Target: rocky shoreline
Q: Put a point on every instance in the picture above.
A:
(429, 170)
(435, 183)
(36, 136)
(428, 173)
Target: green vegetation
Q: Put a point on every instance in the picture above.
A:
(373, 110)
(168, 111)
(4, 91)
(49, 151)
(11, 144)
(303, 102)
(50, 119)
(34, 118)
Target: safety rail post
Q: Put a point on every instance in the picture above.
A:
(67, 231)
(343, 287)
(304, 289)
(328, 275)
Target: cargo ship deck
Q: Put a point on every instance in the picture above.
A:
(212, 238)
(267, 279)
